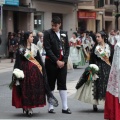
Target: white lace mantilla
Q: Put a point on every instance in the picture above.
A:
(34, 50)
(114, 77)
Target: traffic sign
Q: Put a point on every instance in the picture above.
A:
(12, 2)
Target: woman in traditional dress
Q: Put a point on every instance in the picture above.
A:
(32, 90)
(112, 102)
(76, 51)
(97, 90)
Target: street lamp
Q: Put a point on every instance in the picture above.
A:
(116, 2)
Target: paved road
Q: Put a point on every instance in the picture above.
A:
(80, 111)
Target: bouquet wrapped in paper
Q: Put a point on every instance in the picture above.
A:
(103, 55)
(89, 75)
(17, 76)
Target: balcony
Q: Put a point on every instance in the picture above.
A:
(86, 4)
(109, 8)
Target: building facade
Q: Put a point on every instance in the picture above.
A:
(15, 17)
(36, 15)
(101, 15)
(46, 10)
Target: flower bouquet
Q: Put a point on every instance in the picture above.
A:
(89, 75)
(92, 71)
(17, 76)
(103, 55)
(78, 46)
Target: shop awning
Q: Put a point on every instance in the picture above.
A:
(19, 8)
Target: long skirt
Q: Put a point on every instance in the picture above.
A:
(77, 56)
(85, 94)
(112, 107)
(69, 64)
(31, 92)
(95, 92)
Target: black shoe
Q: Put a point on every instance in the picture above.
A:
(95, 109)
(25, 111)
(30, 113)
(66, 111)
(51, 111)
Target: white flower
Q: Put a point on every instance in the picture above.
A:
(99, 50)
(63, 35)
(18, 73)
(94, 66)
(98, 47)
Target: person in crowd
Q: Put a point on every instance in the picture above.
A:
(36, 39)
(76, 51)
(56, 45)
(101, 55)
(90, 41)
(12, 47)
(18, 38)
(112, 36)
(88, 45)
(112, 101)
(91, 34)
(8, 43)
(31, 91)
(40, 42)
(40, 46)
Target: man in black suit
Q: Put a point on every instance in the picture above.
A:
(56, 45)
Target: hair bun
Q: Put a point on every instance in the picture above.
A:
(104, 36)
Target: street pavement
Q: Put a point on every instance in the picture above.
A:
(80, 111)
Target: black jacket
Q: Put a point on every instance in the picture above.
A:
(52, 45)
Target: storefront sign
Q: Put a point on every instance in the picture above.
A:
(86, 15)
(12, 2)
(2, 2)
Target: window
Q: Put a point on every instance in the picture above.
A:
(100, 3)
(38, 21)
(112, 2)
